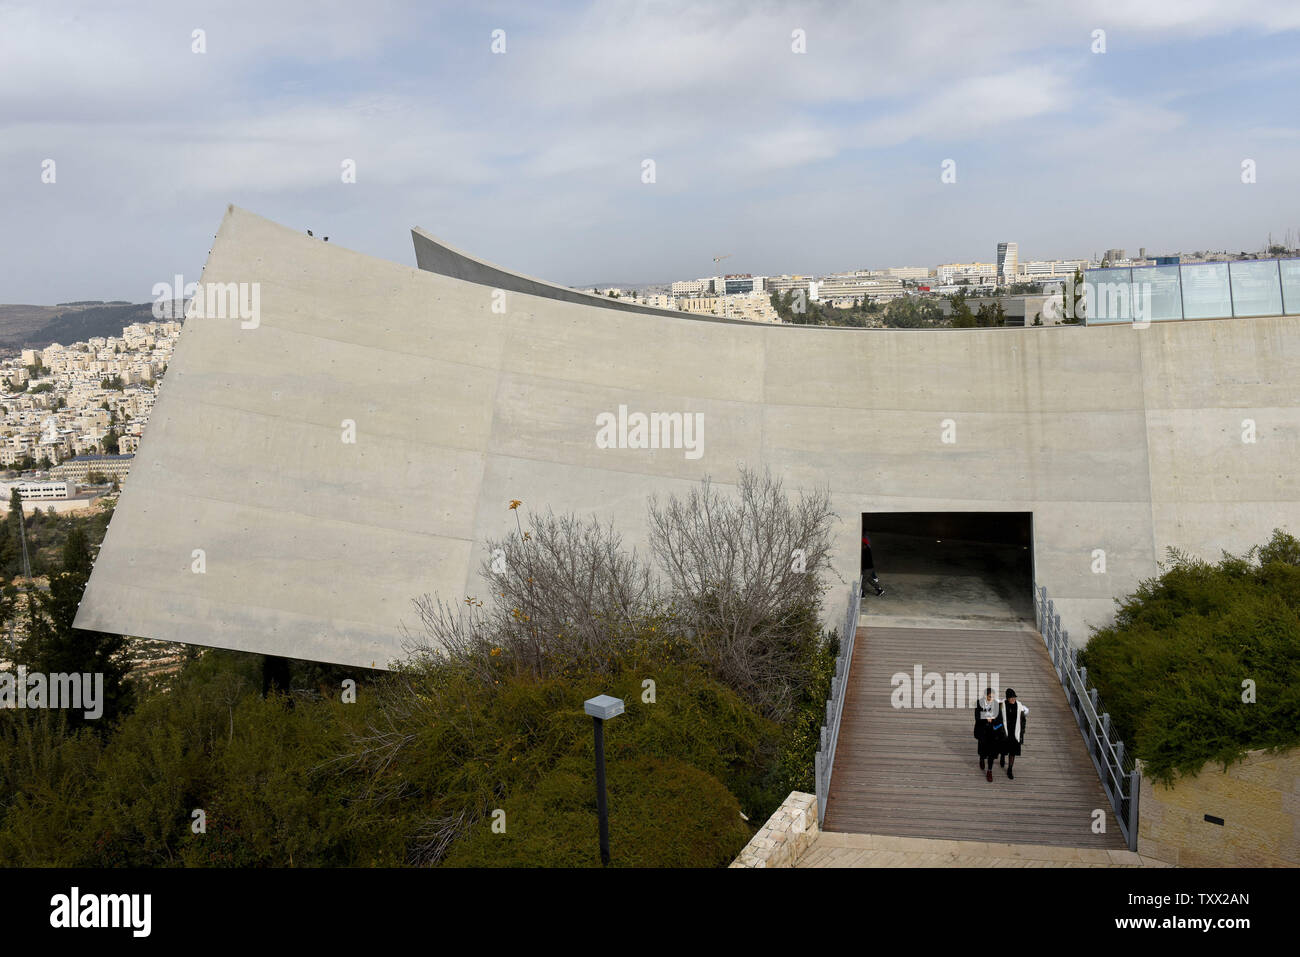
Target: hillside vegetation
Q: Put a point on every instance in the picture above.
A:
(1203, 663)
(475, 750)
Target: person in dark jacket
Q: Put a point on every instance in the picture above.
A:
(869, 569)
(987, 730)
(1012, 717)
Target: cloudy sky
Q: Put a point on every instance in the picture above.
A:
(533, 158)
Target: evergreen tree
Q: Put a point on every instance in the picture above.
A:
(991, 314)
(962, 316)
(11, 546)
(53, 646)
(1072, 305)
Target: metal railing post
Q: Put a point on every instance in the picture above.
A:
(1135, 788)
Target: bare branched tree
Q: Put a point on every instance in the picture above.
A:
(563, 593)
(745, 571)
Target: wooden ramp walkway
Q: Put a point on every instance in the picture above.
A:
(914, 772)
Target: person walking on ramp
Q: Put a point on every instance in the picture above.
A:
(1013, 717)
(988, 730)
(869, 568)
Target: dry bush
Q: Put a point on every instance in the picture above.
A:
(745, 571)
(564, 594)
(738, 574)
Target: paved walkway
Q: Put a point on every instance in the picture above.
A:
(831, 849)
(914, 772)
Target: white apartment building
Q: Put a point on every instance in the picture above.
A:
(28, 491)
(1051, 267)
(784, 284)
(856, 287)
(949, 272)
(658, 301)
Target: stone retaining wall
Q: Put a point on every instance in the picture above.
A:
(1258, 801)
(786, 835)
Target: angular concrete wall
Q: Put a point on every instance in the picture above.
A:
(1116, 438)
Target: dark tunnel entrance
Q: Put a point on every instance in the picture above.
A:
(971, 566)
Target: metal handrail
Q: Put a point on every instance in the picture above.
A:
(1120, 777)
(830, 733)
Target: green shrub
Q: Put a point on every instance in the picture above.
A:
(795, 768)
(47, 771)
(454, 748)
(1171, 669)
(662, 813)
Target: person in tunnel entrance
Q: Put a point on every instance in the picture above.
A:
(869, 568)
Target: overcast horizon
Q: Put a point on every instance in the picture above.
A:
(534, 158)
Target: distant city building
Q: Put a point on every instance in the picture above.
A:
(1037, 269)
(742, 283)
(710, 305)
(30, 491)
(1008, 263)
(857, 287)
(754, 307)
(908, 272)
(784, 284)
(81, 466)
(951, 272)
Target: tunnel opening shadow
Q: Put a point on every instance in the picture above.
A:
(960, 567)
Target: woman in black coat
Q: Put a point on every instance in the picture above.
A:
(987, 732)
(1012, 717)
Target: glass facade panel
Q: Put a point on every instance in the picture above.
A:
(1256, 288)
(1157, 293)
(1205, 291)
(1109, 293)
(1290, 285)
(1166, 291)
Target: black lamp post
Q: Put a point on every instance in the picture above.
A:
(601, 708)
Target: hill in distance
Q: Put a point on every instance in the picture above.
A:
(35, 327)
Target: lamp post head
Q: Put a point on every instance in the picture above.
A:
(603, 706)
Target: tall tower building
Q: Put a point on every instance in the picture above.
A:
(1008, 263)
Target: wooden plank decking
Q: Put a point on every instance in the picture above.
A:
(915, 772)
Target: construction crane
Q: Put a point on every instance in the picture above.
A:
(726, 308)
